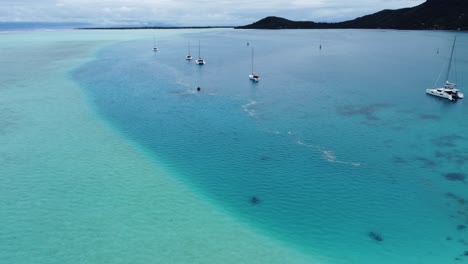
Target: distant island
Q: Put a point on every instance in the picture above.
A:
(151, 27)
(430, 15)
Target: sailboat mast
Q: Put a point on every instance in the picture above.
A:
(199, 50)
(252, 59)
(189, 47)
(451, 57)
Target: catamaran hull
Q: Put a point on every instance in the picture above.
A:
(443, 94)
(439, 94)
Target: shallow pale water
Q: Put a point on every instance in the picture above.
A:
(73, 190)
(334, 143)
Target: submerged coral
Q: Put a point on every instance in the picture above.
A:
(375, 236)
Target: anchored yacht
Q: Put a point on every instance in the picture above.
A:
(253, 76)
(448, 91)
(199, 61)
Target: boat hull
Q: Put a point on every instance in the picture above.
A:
(254, 78)
(443, 94)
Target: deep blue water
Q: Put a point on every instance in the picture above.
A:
(334, 143)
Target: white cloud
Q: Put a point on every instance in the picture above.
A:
(185, 12)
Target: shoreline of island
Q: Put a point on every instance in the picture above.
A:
(140, 28)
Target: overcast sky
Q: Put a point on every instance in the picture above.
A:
(191, 12)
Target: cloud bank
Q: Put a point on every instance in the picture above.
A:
(190, 13)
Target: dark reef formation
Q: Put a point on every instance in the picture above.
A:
(426, 163)
(254, 200)
(367, 111)
(432, 14)
(375, 236)
(455, 197)
(455, 176)
(458, 157)
(447, 141)
(429, 117)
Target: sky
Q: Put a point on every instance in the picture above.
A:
(190, 12)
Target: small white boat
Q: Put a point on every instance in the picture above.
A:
(200, 61)
(448, 91)
(188, 57)
(253, 76)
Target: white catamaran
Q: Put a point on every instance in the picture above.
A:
(253, 76)
(448, 91)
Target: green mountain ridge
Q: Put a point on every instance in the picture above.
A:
(432, 14)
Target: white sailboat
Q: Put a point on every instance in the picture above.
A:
(253, 76)
(199, 61)
(188, 57)
(448, 91)
(155, 49)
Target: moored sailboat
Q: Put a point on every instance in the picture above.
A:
(199, 61)
(188, 57)
(253, 76)
(448, 91)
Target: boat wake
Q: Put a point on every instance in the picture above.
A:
(273, 131)
(185, 92)
(183, 83)
(248, 108)
(328, 155)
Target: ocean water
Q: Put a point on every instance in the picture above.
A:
(334, 143)
(74, 190)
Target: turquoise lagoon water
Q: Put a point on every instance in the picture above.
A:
(74, 190)
(334, 143)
